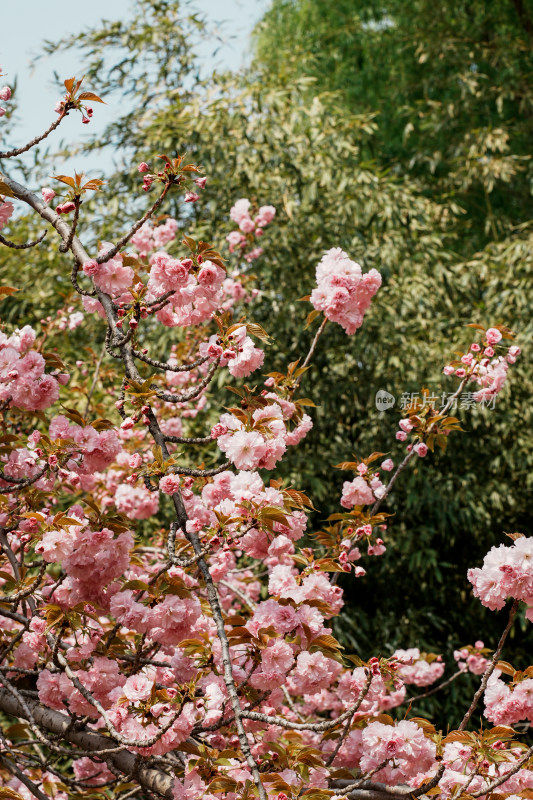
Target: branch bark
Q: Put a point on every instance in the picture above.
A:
(60, 724)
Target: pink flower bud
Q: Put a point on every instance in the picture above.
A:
(66, 208)
(191, 197)
(48, 194)
(5, 93)
(200, 182)
(143, 167)
(387, 465)
(475, 347)
(489, 352)
(401, 436)
(421, 449)
(127, 424)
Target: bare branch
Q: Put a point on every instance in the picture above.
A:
(19, 150)
(133, 230)
(26, 246)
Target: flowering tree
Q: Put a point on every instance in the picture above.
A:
(165, 623)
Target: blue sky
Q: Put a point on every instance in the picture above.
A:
(27, 23)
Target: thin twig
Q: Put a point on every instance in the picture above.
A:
(26, 246)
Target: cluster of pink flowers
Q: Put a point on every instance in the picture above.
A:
(403, 748)
(467, 767)
(507, 704)
(472, 659)
(69, 319)
(235, 291)
(302, 423)
(195, 296)
(23, 381)
(382, 695)
(91, 559)
(506, 572)
(100, 679)
(312, 673)
(92, 773)
(491, 375)
(419, 668)
(343, 293)
(406, 426)
(111, 276)
(136, 502)
(152, 237)
(249, 229)
(365, 489)
(169, 622)
(24, 463)
(240, 354)
(98, 449)
(484, 368)
(129, 722)
(260, 446)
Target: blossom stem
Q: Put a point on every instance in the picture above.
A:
(490, 667)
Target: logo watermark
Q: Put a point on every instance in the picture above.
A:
(385, 400)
